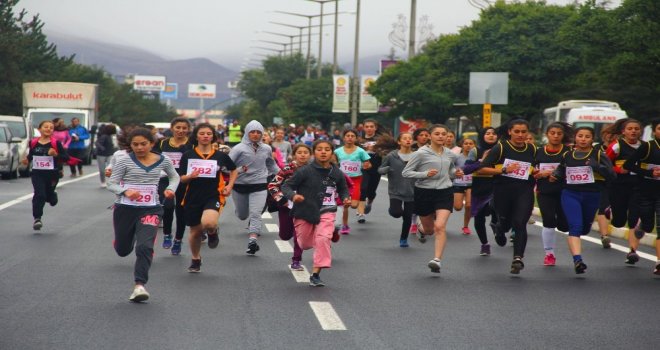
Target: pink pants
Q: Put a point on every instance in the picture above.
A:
(318, 237)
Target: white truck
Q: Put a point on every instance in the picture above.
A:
(50, 100)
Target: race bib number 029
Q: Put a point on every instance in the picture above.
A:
(43, 163)
(576, 175)
(175, 157)
(522, 173)
(148, 195)
(350, 166)
(205, 168)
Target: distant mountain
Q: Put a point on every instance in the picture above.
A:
(121, 60)
(366, 65)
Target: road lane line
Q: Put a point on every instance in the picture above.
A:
(266, 215)
(283, 246)
(327, 316)
(272, 228)
(614, 245)
(20, 199)
(300, 276)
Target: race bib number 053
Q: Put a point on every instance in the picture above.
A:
(206, 168)
(148, 195)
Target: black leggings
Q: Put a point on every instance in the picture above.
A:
(43, 183)
(624, 200)
(172, 207)
(551, 211)
(514, 203)
(80, 154)
(370, 181)
(401, 209)
(480, 222)
(649, 208)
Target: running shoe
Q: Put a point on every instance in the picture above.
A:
(361, 219)
(167, 241)
(639, 233)
(413, 229)
(656, 271)
(513, 237)
(335, 235)
(580, 267)
(315, 281)
(345, 230)
(213, 240)
(608, 213)
(139, 294)
(195, 266)
(252, 247)
(37, 225)
(516, 266)
(434, 265)
(176, 247)
(605, 241)
(103, 185)
(549, 260)
(500, 238)
(53, 199)
(632, 258)
(367, 207)
(295, 266)
(421, 236)
(466, 231)
(403, 243)
(485, 250)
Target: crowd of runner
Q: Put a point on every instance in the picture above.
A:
(306, 175)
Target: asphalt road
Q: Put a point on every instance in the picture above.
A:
(65, 288)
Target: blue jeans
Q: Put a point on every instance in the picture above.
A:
(580, 209)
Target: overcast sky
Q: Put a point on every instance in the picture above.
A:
(224, 30)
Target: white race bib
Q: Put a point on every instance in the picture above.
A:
(576, 175)
(463, 181)
(43, 162)
(329, 198)
(148, 195)
(522, 173)
(175, 157)
(548, 166)
(350, 166)
(206, 168)
(650, 167)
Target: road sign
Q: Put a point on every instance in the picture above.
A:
(488, 112)
(171, 92)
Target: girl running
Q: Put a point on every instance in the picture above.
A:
(585, 171)
(624, 189)
(313, 189)
(510, 161)
(46, 155)
(371, 177)
(174, 147)
(604, 211)
(205, 190)
(352, 159)
(433, 168)
(646, 162)
(137, 211)
(301, 155)
(463, 185)
(421, 137)
(548, 194)
(400, 189)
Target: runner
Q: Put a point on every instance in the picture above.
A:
(174, 147)
(604, 211)
(370, 177)
(254, 162)
(46, 155)
(463, 185)
(313, 189)
(433, 167)
(646, 162)
(585, 171)
(625, 188)
(104, 149)
(352, 159)
(137, 210)
(451, 142)
(205, 190)
(512, 160)
(421, 137)
(400, 189)
(301, 155)
(283, 145)
(548, 194)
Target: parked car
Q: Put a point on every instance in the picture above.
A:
(20, 128)
(9, 157)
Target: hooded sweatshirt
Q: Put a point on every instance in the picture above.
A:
(398, 186)
(426, 159)
(254, 161)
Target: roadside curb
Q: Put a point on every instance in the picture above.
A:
(647, 240)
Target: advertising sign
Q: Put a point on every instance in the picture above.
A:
(340, 94)
(171, 92)
(149, 83)
(368, 103)
(201, 90)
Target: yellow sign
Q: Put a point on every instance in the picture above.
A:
(487, 113)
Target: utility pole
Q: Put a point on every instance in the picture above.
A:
(411, 41)
(356, 79)
(334, 53)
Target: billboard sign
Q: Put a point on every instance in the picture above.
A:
(368, 103)
(201, 90)
(149, 83)
(171, 92)
(340, 94)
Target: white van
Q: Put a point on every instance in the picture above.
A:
(19, 128)
(594, 117)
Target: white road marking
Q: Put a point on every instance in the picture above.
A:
(614, 245)
(327, 316)
(283, 246)
(272, 228)
(13, 202)
(266, 215)
(300, 276)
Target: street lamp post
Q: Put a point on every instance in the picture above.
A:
(319, 66)
(334, 51)
(411, 41)
(356, 80)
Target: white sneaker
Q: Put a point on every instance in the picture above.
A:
(434, 265)
(103, 185)
(139, 294)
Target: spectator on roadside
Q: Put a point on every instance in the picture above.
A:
(77, 147)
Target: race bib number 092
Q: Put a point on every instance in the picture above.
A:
(576, 175)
